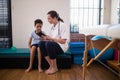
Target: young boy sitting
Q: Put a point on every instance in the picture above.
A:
(35, 37)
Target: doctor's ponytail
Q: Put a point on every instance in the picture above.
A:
(54, 14)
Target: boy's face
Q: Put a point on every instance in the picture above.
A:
(38, 27)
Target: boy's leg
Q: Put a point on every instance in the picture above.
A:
(32, 53)
(39, 60)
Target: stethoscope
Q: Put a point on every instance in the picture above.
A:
(52, 28)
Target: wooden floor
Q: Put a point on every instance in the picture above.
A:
(95, 72)
(114, 64)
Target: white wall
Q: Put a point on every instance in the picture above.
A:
(107, 12)
(24, 12)
(114, 13)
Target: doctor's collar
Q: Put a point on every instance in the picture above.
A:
(56, 26)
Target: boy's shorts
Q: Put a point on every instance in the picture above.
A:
(36, 45)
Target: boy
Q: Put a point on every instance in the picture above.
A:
(34, 39)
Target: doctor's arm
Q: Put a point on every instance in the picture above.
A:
(62, 41)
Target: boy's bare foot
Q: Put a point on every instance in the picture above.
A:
(51, 71)
(40, 70)
(28, 69)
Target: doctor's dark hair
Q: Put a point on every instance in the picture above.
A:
(38, 21)
(54, 14)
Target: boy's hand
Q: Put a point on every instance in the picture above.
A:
(44, 37)
(29, 47)
(49, 38)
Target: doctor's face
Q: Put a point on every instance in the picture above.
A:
(50, 19)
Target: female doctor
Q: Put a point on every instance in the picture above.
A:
(58, 41)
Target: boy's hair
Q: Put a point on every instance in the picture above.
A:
(38, 21)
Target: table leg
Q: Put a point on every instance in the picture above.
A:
(108, 46)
